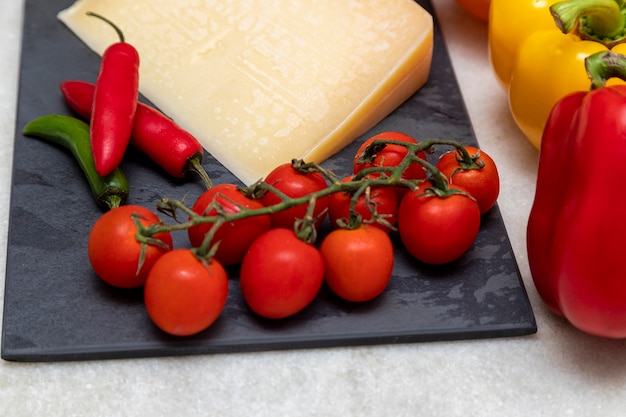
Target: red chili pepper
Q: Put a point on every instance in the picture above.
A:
(576, 231)
(170, 146)
(114, 103)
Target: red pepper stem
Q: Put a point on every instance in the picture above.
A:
(118, 30)
(604, 65)
(602, 21)
(194, 164)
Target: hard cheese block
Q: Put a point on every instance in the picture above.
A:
(260, 82)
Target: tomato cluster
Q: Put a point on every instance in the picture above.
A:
(269, 232)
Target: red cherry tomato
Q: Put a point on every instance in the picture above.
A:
(383, 199)
(114, 252)
(184, 295)
(280, 275)
(437, 230)
(357, 262)
(481, 183)
(477, 8)
(234, 237)
(294, 184)
(391, 156)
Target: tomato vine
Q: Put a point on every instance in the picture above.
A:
(359, 185)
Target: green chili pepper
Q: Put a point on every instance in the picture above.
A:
(73, 134)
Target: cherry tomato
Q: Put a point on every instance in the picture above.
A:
(234, 237)
(294, 184)
(391, 156)
(184, 295)
(437, 230)
(281, 274)
(357, 262)
(481, 183)
(114, 252)
(383, 199)
(477, 8)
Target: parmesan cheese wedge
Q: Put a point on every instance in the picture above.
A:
(261, 82)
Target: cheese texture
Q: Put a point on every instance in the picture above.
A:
(260, 82)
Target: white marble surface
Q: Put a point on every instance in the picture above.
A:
(557, 372)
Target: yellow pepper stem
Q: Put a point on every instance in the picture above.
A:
(598, 20)
(604, 65)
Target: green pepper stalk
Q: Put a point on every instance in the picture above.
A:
(601, 21)
(604, 65)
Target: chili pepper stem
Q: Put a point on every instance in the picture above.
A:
(119, 32)
(598, 20)
(194, 164)
(114, 201)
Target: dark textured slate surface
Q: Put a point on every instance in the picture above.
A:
(56, 309)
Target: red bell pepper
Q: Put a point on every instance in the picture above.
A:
(576, 235)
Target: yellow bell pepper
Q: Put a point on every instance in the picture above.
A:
(549, 64)
(510, 22)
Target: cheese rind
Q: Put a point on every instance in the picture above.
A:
(262, 82)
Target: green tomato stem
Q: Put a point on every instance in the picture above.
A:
(305, 228)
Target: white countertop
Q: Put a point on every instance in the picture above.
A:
(557, 372)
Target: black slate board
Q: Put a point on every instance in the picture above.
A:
(56, 309)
